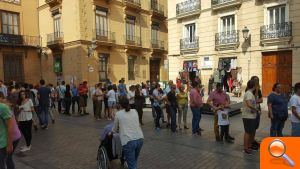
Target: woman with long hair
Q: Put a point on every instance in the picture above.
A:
(26, 109)
(278, 110)
(249, 115)
(258, 98)
(128, 126)
(139, 101)
(68, 99)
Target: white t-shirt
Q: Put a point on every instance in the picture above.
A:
(144, 92)
(130, 96)
(223, 117)
(295, 102)
(247, 112)
(111, 96)
(128, 126)
(26, 114)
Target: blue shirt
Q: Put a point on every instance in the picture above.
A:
(74, 91)
(44, 99)
(279, 105)
(122, 89)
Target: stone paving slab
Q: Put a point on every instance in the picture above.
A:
(72, 143)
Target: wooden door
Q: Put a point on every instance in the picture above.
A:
(155, 70)
(276, 68)
(285, 70)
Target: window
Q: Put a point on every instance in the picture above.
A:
(130, 28)
(131, 68)
(276, 15)
(154, 32)
(190, 32)
(9, 23)
(57, 24)
(103, 67)
(101, 22)
(227, 24)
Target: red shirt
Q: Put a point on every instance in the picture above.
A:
(218, 98)
(82, 90)
(195, 98)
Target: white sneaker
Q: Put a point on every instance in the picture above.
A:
(24, 149)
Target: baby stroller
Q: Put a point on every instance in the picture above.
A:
(109, 149)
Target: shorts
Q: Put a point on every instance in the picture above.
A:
(250, 125)
(83, 101)
(111, 103)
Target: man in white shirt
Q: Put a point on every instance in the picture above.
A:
(3, 88)
(61, 89)
(295, 117)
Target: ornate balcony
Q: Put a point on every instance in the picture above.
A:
(157, 10)
(276, 33)
(223, 4)
(12, 1)
(53, 3)
(55, 40)
(227, 40)
(132, 4)
(19, 40)
(104, 37)
(133, 41)
(189, 45)
(157, 44)
(188, 8)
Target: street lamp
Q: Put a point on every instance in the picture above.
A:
(246, 35)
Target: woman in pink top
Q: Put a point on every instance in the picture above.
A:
(196, 104)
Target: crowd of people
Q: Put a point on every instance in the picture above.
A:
(23, 106)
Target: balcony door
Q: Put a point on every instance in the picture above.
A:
(154, 33)
(101, 22)
(103, 67)
(9, 23)
(276, 19)
(190, 32)
(130, 28)
(227, 30)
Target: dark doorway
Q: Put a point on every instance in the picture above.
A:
(13, 67)
(155, 70)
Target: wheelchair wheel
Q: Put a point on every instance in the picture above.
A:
(102, 158)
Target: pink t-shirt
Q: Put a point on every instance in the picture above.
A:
(16, 132)
(195, 98)
(218, 98)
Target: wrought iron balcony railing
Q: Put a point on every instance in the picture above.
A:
(23, 40)
(189, 43)
(229, 37)
(187, 6)
(157, 44)
(276, 31)
(133, 40)
(12, 1)
(156, 7)
(217, 2)
(106, 36)
(134, 2)
(55, 38)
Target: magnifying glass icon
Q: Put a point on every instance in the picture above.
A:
(277, 149)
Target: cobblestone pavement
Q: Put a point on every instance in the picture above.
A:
(72, 142)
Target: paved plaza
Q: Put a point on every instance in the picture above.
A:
(72, 142)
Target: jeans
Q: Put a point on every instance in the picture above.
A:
(131, 152)
(295, 129)
(25, 128)
(75, 100)
(224, 131)
(276, 127)
(7, 159)
(182, 111)
(158, 115)
(153, 111)
(68, 102)
(44, 113)
(61, 104)
(173, 111)
(196, 119)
